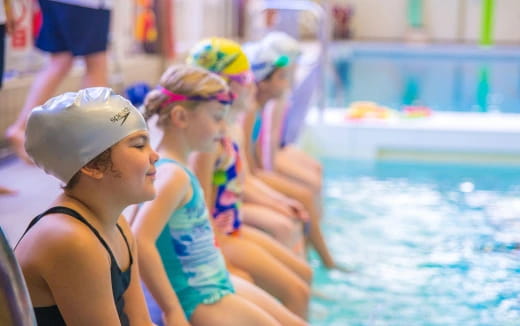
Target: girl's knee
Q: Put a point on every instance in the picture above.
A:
(316, 183)
(284, 230)
(308, 273)
(305, 195)
(299, 291)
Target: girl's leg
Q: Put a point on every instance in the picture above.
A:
(303, 157)
(268, 273)
(43, 87)
(237, 272)
(232, 310)
(301, 172)
(281, 253)
(269, 304)
(307, 198)
(286, 230)
(96, 72)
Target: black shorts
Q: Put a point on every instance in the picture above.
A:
(70, 28)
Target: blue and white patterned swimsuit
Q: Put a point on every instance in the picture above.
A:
(193, 263)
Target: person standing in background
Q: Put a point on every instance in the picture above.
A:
(70, 29)
(7, 26)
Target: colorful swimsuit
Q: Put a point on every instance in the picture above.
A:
(227, 179)
(193, 263)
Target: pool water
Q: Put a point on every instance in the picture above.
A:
(430, 244)
(442, 78)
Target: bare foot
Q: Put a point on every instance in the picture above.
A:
(7, 191)
(320, 295)
(340, 268)
(16, 138)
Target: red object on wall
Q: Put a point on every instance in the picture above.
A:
(37, 20)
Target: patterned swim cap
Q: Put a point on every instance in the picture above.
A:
(283, 43)
(264, 59)
(71, 129)
(219, 55)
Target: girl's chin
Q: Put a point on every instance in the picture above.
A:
(146, 195)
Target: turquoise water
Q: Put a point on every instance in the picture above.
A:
(442, 78)
(430, 245)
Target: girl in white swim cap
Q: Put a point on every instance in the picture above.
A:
(79, 257)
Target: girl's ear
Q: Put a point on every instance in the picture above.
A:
(92, 172)
(179, 116)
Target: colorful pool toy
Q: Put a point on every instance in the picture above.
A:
(416, 111)
(366, 110)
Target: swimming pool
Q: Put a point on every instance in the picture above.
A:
(444, 78)
(474, 94)
(432, 244)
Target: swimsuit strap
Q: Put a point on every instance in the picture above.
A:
(76, 215)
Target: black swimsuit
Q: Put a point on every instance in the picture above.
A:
(120, 280)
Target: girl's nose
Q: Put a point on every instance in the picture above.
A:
(154, 157)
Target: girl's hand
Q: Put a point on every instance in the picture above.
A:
(297, 209)
(284, 209)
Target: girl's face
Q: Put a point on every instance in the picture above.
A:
(133, 171)
(276, 85)
(245, 96)
(206, 125)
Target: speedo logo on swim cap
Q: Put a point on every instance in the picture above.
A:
(121, 115)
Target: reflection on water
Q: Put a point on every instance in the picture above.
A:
(431, 245)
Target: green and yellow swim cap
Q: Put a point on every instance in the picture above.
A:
(219, 55)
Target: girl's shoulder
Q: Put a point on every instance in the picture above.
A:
(59, 238)
(173, 183)
(172, 171)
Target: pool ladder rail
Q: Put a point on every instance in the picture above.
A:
(15, 303)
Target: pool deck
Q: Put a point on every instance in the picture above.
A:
(35, 191)
(444, 136)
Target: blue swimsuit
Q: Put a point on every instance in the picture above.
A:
(193, 263)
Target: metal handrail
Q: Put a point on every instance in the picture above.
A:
(320, 12)
(15, 304)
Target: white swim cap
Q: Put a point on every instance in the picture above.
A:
(264, 60)
(283, 43)
(71, 129)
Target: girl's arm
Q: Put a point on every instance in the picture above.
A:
(258, 193)
(255, 190)
(173, 190)
(76, 268)
(135, 304)
(247, 144)
(278, 115)
(203, 165)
